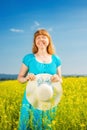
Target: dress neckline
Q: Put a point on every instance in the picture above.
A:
(47, 63)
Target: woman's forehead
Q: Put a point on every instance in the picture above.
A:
(41, 35)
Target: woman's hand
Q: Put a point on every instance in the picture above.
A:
(56, 78)
(30, 77)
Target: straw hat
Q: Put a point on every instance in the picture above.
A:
(42, 93)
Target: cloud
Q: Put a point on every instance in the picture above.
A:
(16, 30)
(35, 25)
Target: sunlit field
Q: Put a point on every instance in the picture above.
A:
(71, 111)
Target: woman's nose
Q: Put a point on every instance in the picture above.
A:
(41, 38)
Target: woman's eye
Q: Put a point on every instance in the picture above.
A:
(44, 37)
(38, 38)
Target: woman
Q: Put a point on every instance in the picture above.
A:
(42, 60)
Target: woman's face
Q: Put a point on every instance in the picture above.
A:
(42, 41)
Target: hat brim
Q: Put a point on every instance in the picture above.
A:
(33, 97)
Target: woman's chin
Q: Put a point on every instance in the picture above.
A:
(42, 48)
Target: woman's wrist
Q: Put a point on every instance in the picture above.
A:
(24, 79)
(60, 80)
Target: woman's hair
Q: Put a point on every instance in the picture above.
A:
(50, 48)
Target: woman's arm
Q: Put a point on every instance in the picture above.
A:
(23, 77)
(58, 76)
(22, 74)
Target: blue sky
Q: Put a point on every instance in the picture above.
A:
(65, 20)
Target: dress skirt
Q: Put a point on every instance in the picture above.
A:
(34, 119)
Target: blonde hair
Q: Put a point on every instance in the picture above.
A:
(50, 48)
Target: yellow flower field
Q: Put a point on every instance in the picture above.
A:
(71, 112)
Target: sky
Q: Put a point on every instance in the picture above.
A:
(65, 20)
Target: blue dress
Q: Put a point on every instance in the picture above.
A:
(30, 117)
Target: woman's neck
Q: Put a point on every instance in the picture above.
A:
(43, 57)
(42, 53)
